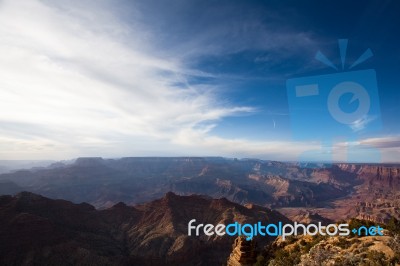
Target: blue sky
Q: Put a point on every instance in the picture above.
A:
(192, 78)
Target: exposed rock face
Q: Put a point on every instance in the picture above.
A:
(377, 198)
(243, 253)
(379, 218)
(384, 176)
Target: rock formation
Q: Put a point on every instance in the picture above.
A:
(243, 253)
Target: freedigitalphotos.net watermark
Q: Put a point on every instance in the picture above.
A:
(279, 229)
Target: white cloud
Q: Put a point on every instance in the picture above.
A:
(73, 79)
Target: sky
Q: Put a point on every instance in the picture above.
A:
(200, 78)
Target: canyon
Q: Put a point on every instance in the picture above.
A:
(333, 191)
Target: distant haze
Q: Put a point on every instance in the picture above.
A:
(10, 165)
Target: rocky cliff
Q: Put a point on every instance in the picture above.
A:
(243, 253)
(385, 176)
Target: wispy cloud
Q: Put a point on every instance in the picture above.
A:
(390, 142)
(361, 123)
(73, 79)
(375, 149)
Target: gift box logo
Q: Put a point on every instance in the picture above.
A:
(338, 105)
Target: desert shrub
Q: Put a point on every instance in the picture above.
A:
(343, 243)
(348, 259)
(318, 256)
(394, 244)
(261, 261)
(283, 257)
(315, 240)
(393, 226)
(376, 258)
